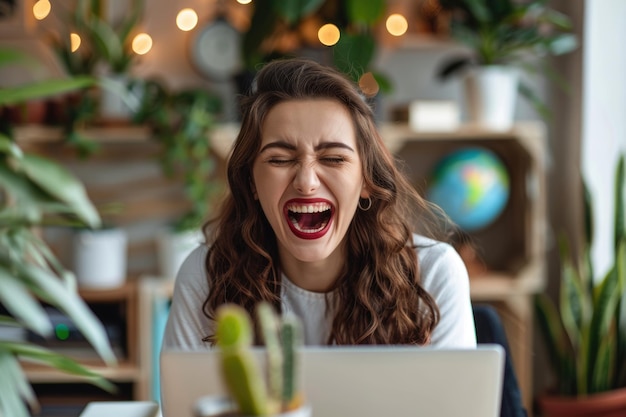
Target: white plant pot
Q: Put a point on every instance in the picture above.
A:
(491, 93)
(100, 258)
(219, 406)
(117, 102)
(173, 248)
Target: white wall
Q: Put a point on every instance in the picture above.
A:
(604, 115)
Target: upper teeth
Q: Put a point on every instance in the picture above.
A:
(309, 208)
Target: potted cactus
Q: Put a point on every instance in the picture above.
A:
(253, 392)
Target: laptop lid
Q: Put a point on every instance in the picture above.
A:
(364, 381)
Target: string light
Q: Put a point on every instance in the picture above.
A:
(328, 34)
(186, 19)
(397, 24)
(244, 1)
(142, 43)
(41, 9)
(74, 42)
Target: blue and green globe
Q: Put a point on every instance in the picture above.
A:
(472, 186)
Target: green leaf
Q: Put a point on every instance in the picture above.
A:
(559, 20)
(562, 44)
(43, 89)
(38, 354)
(294, 10)
(384, 83)
(366, 12)
(479, 11)
(58, 182)
(10, 56)
(353, 53)
(261, 26)
(52, 291)
(559, 351)
(9, 147)
(573, 304)
(105, 40)
(14, 387)
(20, 303)
(604, 370)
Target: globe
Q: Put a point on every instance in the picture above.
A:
(471, 185)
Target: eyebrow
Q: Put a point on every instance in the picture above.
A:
(288, 146)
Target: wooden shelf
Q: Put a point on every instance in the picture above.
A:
(38, 134)
(500, 286)
(122, 301)
(124, 372)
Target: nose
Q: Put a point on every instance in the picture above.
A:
(306, 180)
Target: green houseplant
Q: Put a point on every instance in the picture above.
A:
(252, 392)
(105, 52)
(504, 37)
(182, 121)
(585, 334)
(35, 192)
(273, 21)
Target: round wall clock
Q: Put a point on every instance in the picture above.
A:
(215, 50)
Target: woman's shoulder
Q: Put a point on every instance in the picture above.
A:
(193, 267)
(439, 261)
(427, 248)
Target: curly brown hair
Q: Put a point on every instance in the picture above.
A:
(379, 299)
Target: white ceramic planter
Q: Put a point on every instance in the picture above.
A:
(491, 93)
(117, 102)
(218, 406)
(173, 248)
(100, 257)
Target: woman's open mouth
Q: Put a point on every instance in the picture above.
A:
(309, 219)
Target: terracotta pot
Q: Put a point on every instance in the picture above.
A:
(607, 404)
(31, 112)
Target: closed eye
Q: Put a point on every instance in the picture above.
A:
(279, 161)
(333, 160)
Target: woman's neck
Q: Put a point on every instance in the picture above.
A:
(313, 276)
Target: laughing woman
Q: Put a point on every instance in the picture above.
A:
(321, 222)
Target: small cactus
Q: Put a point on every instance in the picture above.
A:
(241, 372)
(291, 338)
(254, 393)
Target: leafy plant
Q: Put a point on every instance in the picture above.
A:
(356, 19)
(105, 49)
(585, 334)
(254, 394)
(508, 32)
(182, 121)
(35, 192)
(103, 42)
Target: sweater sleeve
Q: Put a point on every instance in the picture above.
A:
(186, 324)
(445, 277)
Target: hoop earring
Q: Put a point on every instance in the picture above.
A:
(369, 204)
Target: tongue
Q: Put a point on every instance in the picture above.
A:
(309, 220)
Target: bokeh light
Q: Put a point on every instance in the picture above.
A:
(186, 19)
(74, 42)
(142, 43)
(397, 24)
(41, 9)
(368, 84)
(328, 34)
(244, 1)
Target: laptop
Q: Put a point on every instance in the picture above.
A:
(359, 381)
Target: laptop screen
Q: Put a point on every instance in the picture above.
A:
(364, 381)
